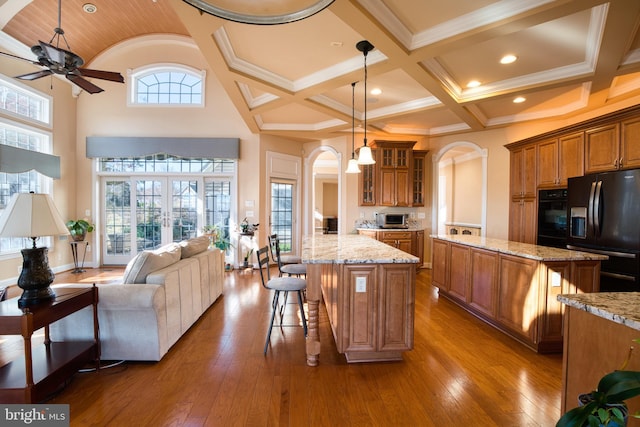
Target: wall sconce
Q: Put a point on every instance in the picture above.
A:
(364, 156)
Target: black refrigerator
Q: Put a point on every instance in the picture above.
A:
(604, 217)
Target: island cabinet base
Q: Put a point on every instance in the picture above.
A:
(370, 308)
(515, 294)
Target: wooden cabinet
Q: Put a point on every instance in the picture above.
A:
(367, 185)
(560, 159)
(516, 294)
(523, 172)
(418, 173)
(409, 241)
(602, 145)
(522, 220)
(394, 160)
(371, 309)
(630, 144)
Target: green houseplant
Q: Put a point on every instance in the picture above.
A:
(605, 406)
(78, 228)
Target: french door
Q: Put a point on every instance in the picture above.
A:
(283, 218)
(147, 212)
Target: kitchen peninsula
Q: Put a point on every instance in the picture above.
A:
(369, 292)
(513, 286)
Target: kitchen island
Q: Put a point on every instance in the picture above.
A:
(513, 286)
(369, 292)
(598, 333)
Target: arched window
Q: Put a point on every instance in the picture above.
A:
(167, 84)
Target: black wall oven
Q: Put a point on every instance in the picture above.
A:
(552, 218)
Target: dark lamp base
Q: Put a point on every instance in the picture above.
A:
(35, 278)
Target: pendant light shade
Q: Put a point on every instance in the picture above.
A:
(364, 156)
(352, 167)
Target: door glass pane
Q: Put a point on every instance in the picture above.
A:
(282, 213)
(118, 217)
(184, 206)
(148, 214)
(217, 202)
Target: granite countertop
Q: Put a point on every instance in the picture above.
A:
(390, 229)
(524, 250)
(619, 307)
(351, 249)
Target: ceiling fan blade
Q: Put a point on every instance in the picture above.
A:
(99, 74)
(84, 84)
(53, 53)
(19, 57)
(36, 75)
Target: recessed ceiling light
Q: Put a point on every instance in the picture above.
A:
(376, 91)
(473, 83)
(519, 100)
(89, 8)
(508, 59)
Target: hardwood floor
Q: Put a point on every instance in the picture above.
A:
(461, 373)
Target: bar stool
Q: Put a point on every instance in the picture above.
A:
(291, 269)
(286, 259)
(279, 285)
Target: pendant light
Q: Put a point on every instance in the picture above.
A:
(364, 156)
(353, 163)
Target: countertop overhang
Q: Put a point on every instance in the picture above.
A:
(619, 307)
(525, 250)
(351, 249)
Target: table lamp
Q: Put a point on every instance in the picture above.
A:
(33, 215)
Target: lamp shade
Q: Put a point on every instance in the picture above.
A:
(365, 157)
(31, 215)
(352, 166)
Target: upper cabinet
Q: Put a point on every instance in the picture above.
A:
(559, 159)
(613, 146)
(523, 172)
(397, 178)
(630, 144)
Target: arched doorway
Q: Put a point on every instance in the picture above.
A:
(323, 200)
(460, 189)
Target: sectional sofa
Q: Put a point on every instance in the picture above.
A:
(162, 294)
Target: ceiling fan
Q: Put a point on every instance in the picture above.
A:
(57, 60)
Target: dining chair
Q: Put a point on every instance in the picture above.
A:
(279, 285)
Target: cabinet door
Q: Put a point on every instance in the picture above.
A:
(557, 277)
(367, 185)
(418, 248)
(403, 187)
(358, 330)
(440, 267)
(419, 181)
(602, 148)
(523, 172)
(630, 144)
(396, 290)
(517, 296)
(548, 163)
(570, 157)
(459, 272)
(387, 187)
(484, 281)
(522, 221)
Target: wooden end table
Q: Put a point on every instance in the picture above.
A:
(45, 367)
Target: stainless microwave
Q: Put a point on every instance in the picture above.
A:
(391, 220)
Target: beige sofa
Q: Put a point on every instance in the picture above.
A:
(164, 292)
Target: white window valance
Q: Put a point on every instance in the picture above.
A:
(111, 146)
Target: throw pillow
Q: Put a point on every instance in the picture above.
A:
(194, 246)
(149, 261)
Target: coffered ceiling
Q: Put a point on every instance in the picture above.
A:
(295, 79)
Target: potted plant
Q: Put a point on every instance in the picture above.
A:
(78, 228)
(605, 406)
(246, 258)
(216, 236)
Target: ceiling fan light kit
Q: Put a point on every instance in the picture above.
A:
(57, 60)
(365, 156)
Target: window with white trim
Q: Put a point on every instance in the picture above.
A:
(16, 101)
(167, 85)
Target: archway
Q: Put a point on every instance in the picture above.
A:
(460, 188)
(323, 198)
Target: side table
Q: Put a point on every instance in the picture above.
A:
(45, 367)
(78, 266)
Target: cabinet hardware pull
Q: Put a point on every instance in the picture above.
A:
(621, 161)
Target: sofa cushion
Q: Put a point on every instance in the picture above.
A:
(194, 246)
(149, 261)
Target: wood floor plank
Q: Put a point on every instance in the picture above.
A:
(461, 373)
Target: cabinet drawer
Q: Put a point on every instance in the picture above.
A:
(395, 235)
